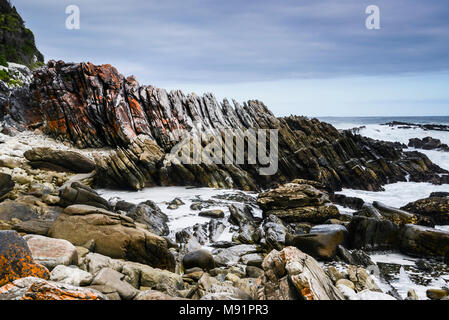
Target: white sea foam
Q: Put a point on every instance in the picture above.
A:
(402, 282)
(182, 217)
(393, 257)
(395, 134)
(397, 194)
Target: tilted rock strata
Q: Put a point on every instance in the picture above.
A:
(95, 106)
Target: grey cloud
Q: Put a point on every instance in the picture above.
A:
(234, 41)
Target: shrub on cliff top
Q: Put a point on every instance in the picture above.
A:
(3, 61)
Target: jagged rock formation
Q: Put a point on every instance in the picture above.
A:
(95, 106)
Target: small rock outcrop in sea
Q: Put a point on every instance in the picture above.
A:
(436, 208)
(428, 143)
(408, 125)
(95, 106)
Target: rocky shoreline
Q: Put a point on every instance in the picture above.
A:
(75, 128)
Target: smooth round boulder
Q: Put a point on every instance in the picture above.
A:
(322, 241)
(201, 258)
(52, 252)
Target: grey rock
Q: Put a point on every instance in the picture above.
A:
(200, 258)
(71, 275)
(112, 278)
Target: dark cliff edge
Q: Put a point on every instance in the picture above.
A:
(16, 41)
(95, 106)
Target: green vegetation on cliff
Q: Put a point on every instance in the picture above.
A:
(16, 42)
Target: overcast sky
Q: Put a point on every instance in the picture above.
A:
(307, 57)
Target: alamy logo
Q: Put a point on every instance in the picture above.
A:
(73, 20)
(373, 20)
(228, 147)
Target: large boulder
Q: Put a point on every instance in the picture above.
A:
(52, 252)
(228, 257)
(395, 215)
(10, 209)
(372, 234)
(424, 241)
(16, 260)
(436, 207)
(291, 274)
(6, 184)
(114, 235)
(94, 262)
(31, 288)
(294, 202)
(321, 242)
(59, 160)
(201, 258)
(428, 143)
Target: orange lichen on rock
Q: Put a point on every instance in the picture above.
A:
(307, 294)
(47, 291)
(16, 260)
